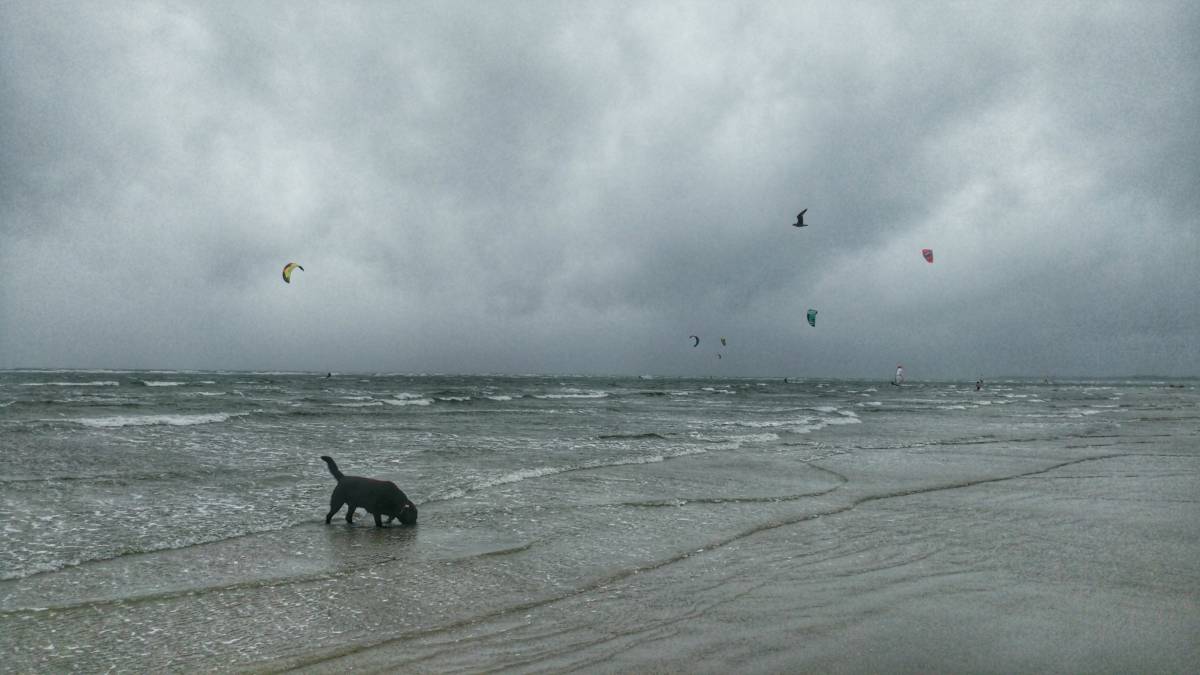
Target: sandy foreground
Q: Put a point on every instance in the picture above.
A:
(1080, 558)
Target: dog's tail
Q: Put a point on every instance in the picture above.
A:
(332, 467)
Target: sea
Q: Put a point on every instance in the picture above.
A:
(174, 521)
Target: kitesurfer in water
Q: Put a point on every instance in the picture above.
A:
(979, 384)
(800, 219)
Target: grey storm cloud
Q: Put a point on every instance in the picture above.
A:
(577, 187)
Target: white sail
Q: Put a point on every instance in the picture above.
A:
(899, 375)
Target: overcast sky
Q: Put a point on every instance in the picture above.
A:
(577, 187)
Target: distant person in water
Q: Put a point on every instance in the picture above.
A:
(979, 384)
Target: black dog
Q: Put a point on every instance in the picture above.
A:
(379, 497)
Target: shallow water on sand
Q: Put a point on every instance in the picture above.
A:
(174, 522)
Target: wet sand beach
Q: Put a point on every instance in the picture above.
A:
(933, 562)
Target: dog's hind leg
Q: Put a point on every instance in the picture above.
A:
(378, 520)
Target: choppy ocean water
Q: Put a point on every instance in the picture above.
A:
(174, 520)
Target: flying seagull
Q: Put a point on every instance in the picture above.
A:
(800, 219)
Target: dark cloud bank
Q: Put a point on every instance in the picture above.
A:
(570, 187)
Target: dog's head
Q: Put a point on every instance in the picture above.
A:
(403, 509)
(408, 513)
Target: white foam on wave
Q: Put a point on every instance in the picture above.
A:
(30, 569)
(543, 471)
(408, 401)
(150, 420)
(500, 397)
(738, 439)
(504, 479)
(766, 424)
(361, 404)
(163, 383)
(582, 394)
(97, 383)
(522, 474)
(822, 422)
(754, 438)
(832, 417)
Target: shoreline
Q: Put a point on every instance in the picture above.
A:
(1028, 589)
